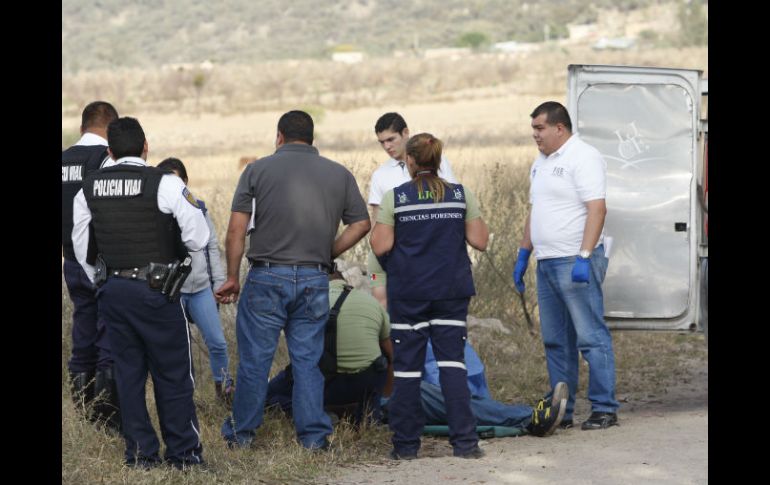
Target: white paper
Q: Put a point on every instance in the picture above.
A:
(607, 246)
(250, 227)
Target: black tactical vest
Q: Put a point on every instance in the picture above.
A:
(129, 229)
(76, 162)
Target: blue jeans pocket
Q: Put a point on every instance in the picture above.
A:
(316, 302)
(599, 266)
(264, 298)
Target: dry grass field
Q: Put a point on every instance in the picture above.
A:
(479, 106)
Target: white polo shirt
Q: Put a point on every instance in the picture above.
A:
(393, 173)
(560, 185)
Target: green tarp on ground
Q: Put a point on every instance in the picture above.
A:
(483, 431)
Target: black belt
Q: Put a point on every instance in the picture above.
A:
(131, 273)
(257, 263)
(378, 365)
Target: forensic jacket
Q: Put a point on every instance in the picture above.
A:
(429, 259)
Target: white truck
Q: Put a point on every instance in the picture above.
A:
(647, 124)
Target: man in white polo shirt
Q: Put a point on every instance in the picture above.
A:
(565, 228)
(392, 133)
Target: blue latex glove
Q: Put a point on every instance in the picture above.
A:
(520, 268)
(581, 269)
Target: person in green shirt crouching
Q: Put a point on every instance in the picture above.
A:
(364, 355)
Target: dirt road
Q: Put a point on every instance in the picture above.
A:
(661, 439)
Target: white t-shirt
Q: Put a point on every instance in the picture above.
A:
(393, 173)
(560, 186)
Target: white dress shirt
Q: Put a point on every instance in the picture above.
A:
(393, 173)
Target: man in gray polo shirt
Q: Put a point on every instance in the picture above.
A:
(295, 200)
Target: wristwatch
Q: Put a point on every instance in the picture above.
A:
(585, 254)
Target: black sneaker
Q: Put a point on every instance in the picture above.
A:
(599, 420)
(475, 453)
(566, 424)
(547, 416)
(187, 465)
(394, 455)
(144, 462)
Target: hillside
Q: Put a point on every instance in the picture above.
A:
(145, 33)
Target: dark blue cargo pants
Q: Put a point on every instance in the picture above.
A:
(148, 333)
(413, 322)
(90, 347)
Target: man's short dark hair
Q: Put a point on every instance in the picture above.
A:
(125, 138)
(390, 121)
(296, 126)
(554, 113)
(98, 114)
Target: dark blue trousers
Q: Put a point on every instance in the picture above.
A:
(413, 322)
(362, 389)
(90, 347)
(147, 333)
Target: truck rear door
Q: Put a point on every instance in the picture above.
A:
(645, 122)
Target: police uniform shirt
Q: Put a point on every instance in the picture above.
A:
(79, 160)
(91, 139)
(173, 198)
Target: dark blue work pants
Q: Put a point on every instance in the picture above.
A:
(90, 347)
(413, 322)
(148, 333)
(362, 389)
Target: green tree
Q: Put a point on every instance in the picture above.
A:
(474, 40)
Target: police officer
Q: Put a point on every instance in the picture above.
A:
(423, 226)
(143, 221)
(90, 365)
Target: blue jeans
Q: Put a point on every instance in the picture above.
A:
(487, 411)
(572, 319)
(295, 300)
(202, 308)
(477, 382)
